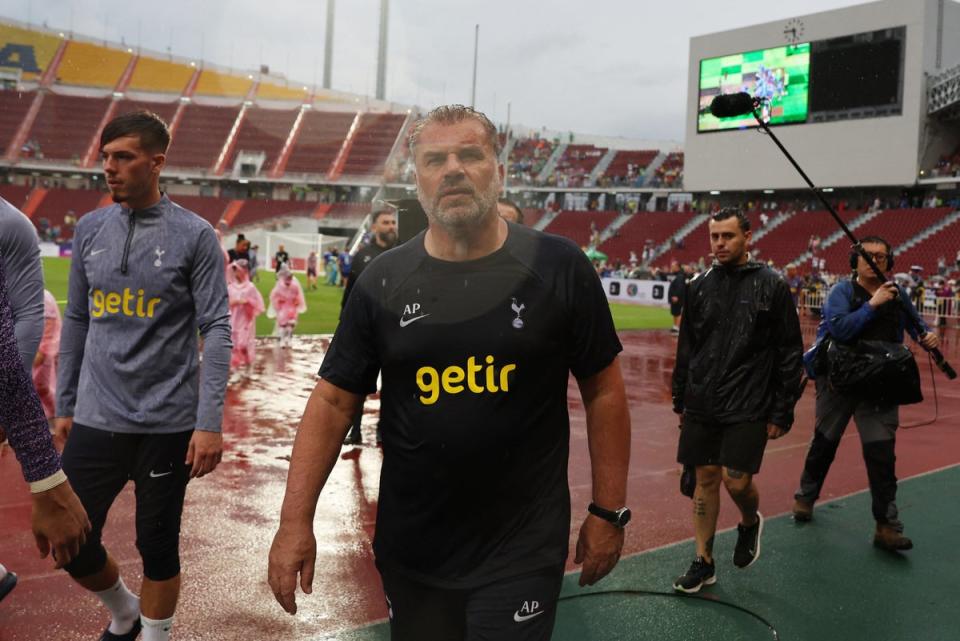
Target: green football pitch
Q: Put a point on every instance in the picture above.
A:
(323, 304)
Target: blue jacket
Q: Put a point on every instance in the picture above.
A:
(845, 323)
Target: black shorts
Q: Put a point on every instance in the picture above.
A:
(737, 446)
(311, 271)
(521, 608)
(99, 463)
(675, 310)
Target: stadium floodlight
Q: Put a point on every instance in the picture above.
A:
(768, 191)
(714, 192)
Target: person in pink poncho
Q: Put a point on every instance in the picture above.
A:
(286, 304)
(246, 304)
(45, 362)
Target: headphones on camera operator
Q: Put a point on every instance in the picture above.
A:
(854, 255)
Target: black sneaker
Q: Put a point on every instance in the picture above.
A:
(129, 636)
(701, 573)
(7, 583)
(748, 543)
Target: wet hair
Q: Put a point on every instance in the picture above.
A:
(451, 115)
(380, 212)
(732, 212)
(514, 206)
(146, 125)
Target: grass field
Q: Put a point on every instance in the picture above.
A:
(323, 305)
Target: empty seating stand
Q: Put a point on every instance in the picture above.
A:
(656, 226)
(13, 107)
(59, 202)
(16, 195)
(373, 140)
(207, 207)
(896, 226)
(321, 137)
(791, 238)
(65, 126)
(621, 165)
(201, 135)
(263, 130)
(254, 211)
(575, 225)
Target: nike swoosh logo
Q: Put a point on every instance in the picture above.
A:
(94, 252)
(404, 323)
(154, 475)
(520, 618)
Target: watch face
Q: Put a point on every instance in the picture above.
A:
(623, 516)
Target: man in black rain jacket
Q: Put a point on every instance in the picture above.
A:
(736, 381)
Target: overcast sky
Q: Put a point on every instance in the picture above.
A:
(610, 67)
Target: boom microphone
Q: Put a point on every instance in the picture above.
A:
(732, 104)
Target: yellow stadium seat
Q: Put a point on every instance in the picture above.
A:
(270, 91)
(213, 83)
(92, 65)
(161, 76)
(29, 51)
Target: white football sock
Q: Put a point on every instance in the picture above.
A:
(156, 629)
(124, 607)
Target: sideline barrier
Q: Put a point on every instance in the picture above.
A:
(639, 292)
(934, 307)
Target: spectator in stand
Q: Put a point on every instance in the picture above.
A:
(510, 211)
(312, 270)
(281, 258)
(764, 219)
(942, 266)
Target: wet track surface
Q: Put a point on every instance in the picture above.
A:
(231, 515)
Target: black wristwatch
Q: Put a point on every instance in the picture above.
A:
(620, 517)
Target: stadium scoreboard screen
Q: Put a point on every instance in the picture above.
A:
(781, 75)
(856, 76)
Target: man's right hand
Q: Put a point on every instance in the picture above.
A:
(294, 551)
(60, 523)
(61, 430)
(884, 294)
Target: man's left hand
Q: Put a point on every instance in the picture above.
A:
(204, 452)
(774, 431)
(930, 340)
(598, 549)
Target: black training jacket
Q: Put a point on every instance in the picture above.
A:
(739, 351)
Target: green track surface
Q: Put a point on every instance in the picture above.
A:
(819, 581)
(323, 304)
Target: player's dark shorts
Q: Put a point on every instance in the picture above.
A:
(521, 608)
(99, 463)
(311, 271)
(737, 446)
(675, 310)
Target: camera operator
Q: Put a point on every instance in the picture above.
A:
(858, 309)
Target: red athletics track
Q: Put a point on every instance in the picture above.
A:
(230, 516)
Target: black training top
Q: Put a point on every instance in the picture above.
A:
(361, 259)
(475, 359)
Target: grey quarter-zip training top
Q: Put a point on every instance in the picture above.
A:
(142, 282)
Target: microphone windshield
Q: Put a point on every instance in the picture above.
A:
(730, 105)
